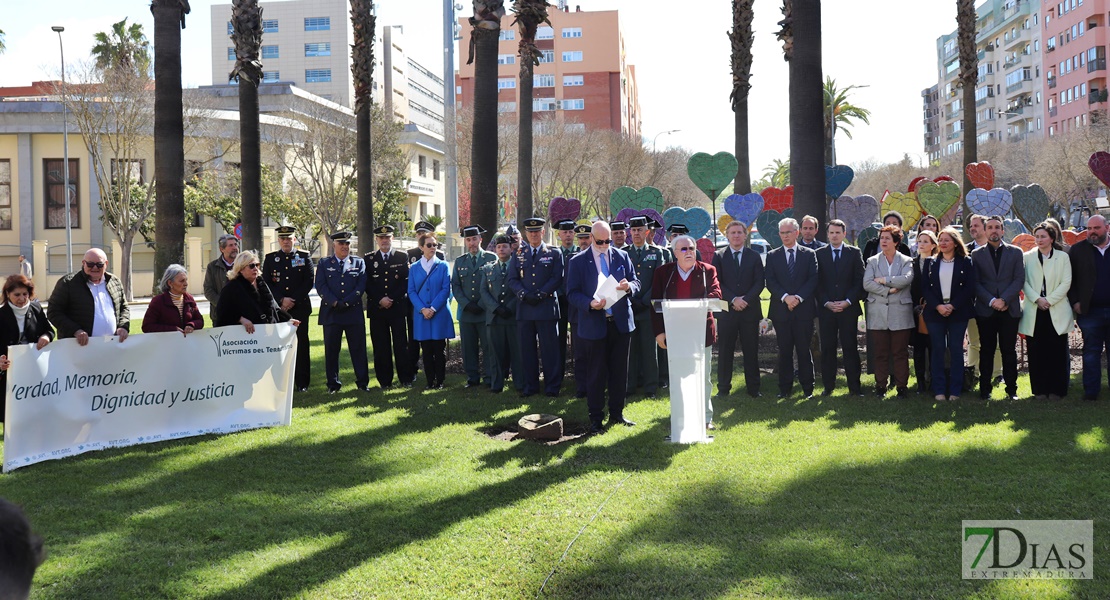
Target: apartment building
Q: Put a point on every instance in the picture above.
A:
(1075, 37)
(583, 79)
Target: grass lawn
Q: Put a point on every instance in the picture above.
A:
(400, 494)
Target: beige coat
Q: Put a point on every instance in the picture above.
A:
(887, 311)
(1056, 275)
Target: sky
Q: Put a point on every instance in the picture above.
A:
(681, 58)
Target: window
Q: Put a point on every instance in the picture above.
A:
(269, 52)
(422, 165)
(574, 104)
(572, 32)
(230, 28)
(576, 127)
(55, 198)
(318, 49)
(271, 76)
(543, 81)
(573, 80)
(230, 53)
(435, 169)
(317, 75)
(547, 56)
(269, 26)
(545, 33)
(506, 107)
(506, 83)
(317, 23)
(572, 56)
(506, 59)
(507, 35)
(5, 193)
(133, 169)
(543, 104)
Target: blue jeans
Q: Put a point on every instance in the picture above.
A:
(947, 334)
(1096, 336)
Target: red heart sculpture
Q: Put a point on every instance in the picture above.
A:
(776, 199)
(943, 178)
(705, 247)
(1082, 235)
(1070, 237)
(1025, 241)
(913, 184)
(981, 174)
(1100, 166)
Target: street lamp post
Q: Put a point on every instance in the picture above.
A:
(65, 151)
(656, 138)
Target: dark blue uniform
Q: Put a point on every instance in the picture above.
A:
(536, 277)
(291, 276)
(340, 285)
(388, 276)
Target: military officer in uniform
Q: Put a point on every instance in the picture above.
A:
(500, 303)
(387, 305)
(568, 249)
(674, 231)
(582, 237)
(535, 277)
(289, 274)
(643, 362)
(620, 234)
(466, 279)
(340, 281)
(414, 255)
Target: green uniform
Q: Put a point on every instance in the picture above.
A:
(496, 297)
(466, 279)
(643, 362)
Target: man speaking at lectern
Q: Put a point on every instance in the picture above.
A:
(685, 279)
(604, 330)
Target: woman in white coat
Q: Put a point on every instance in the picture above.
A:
(1047, 316)
(887, 279)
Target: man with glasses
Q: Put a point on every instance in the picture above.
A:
(792, 280)
(466, 279)
(89, 302)
(535, 277)
(289, 274)
(340, 281)
(215, 274)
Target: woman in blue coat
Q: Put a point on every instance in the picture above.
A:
(429, 291)
(949, 292)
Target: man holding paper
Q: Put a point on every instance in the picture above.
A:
(599, 283)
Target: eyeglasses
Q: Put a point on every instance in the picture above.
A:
(254, 266)
(430, 245)
(603, 242)
(686, 249)
(94, 265)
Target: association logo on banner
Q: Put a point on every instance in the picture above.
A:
(1028, 549)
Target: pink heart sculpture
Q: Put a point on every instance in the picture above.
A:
(563, 209)
(776, 199)
(705, 247)
(981, 175)
(660, 236)
(949, 217)
(857, 213)
(1025, 241)
(1099, 164)
(916, 180)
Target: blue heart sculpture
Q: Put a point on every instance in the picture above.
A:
(697, 219)
(744, 207)
(866, 235)
(997, 201)
(1011, 229)
(837, 179)
(767, 223)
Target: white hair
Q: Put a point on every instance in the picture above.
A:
(790, 221)
(678, 238)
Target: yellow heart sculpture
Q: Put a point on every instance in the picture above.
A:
(906, 204)
(723, 221)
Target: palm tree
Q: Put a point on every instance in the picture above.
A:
(839, 110)
(3, 47)
(125, 48)
(778, 173)
(741, 36)
(802, 48)
(969, 76)
(529, 15)
(169, 133)
(246, 20)
(362, 68)
(484, 34)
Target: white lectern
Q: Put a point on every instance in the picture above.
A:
(689, 362)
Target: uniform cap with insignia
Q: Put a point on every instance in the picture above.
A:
(502, 239)
(678, 228)
(510, 230)
(638, 222)
(583, 231)
(342, 236)
(617, 226)
(471, 230)
(654, 224)
(565, 225)
(285, 231)
(423, 227)
(384, 231)
(534, 224)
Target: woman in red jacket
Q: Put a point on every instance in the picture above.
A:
(174, 309)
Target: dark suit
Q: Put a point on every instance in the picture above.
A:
(340, 290)
(947, 333)
(388, 277)
(536, 280)
(743, 280)
(998, 329)
(839, 280)
(291, 276)
(605, 337)
(793, 328)
(1089, 271)
(414, 255)
(35, 325)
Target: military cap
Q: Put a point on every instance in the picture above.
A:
(342, 236)
(285, 231)
(384, 231)
(502, 239)
(534, 224)
(678, 228)
(565, 225)
(654, 224)
(638, 222)
(423, 227)
(617, 226)
(510, 230)
(583, 231)
(471, 230)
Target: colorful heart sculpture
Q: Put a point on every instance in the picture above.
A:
(914, 182)
(706, 248)
(997, 201)
(1082, 235)
(660, 236)
(1031, 203)
(712, 174)
(723, 221)
(1011, 228)
(949, 217)
(943, 178)
(857, 213)
(776, 199)
(906, 205)
(837, 179)
(1070, 237)
(768, 225)
(981, 175)
(697, 219)
(641, 199)
(1025, 241)
(563, 209)
(938, 198)
(1099, 164)
(744, 208)
(866, 235)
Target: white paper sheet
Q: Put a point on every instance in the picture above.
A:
(607, 289)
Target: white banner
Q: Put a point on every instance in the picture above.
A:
(68, 400)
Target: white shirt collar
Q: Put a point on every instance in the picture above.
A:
(686, 274)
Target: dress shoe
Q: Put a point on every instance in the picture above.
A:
(998, 380)
(781, 396)
(622, 421)
(1013, 397)
(596, 427)
(755, 394)
(332, 391)
(903, 392)
(665, 385)
(880, 391)
(808, 394)
(364, 388)
(827, 392)
(710, 426)
(471, 384)
(650, 393)
(1090, 398)
(939, 398)
(302, 389)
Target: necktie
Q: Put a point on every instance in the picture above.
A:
(605, 272)
(736, 255)
(836, 256)
(790, 261)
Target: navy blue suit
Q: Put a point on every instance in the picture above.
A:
(341, 314)
(947, 333)
(793, 328)
(605, 337)
(536, 280)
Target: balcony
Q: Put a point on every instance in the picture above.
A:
(1014, 112)
(1012, 62)
(952, 114)
(1052, 112)
(1099, 64)
(955, 134)
(1051, 83)
(1017, 87)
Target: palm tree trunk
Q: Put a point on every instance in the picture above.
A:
(246, 18)
(362, 67)
(969, 76)
(169, 135)
(524, 204)
(741, 37)
(807, 168)
(483, 175)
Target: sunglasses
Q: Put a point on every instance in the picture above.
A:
(603, 242)
(686, 249)
(254, 266)
(94, 265)
(430, 245)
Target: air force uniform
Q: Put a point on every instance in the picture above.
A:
(535, 277)
(340, 284)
